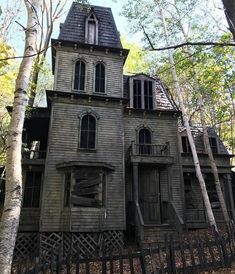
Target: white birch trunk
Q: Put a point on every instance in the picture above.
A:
(204, 126)
(13, 196)
(207, 204)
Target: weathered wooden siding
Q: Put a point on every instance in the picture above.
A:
(63, 146)
(164, 129)
(66, 58)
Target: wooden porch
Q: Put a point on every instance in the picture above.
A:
(197, 218)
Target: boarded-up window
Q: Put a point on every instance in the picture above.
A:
(32, 189)
(137, 102)
(148, 95)
(88, 188)
(67, 185)
(79, 75)
(213, 145)
(185, 144)
(100, 78)
(88, 132)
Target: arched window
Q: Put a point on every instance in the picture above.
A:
(88, 132)
(92, 29)
(79, 75)
(144, 141)
(100, 78)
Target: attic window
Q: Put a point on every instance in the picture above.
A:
(185, 144)
(92, 29)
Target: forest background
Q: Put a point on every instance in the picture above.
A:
(141, 30)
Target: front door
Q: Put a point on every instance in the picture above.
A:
(149, 194)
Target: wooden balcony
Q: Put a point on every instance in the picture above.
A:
(150, 153)
(33, 157)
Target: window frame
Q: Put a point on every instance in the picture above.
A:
(95, 21)
(85, 76)
(105, 78)
(67, 200)
(80, 133)
(103, 182)
(40, 190)
(143, 79)
(214, 147)
(188, 150)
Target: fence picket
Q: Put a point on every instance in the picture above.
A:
(182, 254)
(153, 263)
(131, 261)
(111, 262)
(120, 261)
(172, 255)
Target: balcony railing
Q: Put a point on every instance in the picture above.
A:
(150, 150)
(34, 154)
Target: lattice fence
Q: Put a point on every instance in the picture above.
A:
(48, 245)
(27, 244)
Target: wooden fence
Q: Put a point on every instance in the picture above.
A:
(192, 253)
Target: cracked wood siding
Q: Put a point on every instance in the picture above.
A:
(164, 130)
(66, 58)
(63, 146)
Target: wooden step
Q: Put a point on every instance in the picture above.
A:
(153, 234)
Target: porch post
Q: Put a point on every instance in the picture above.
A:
(135, 183)
(230, 191)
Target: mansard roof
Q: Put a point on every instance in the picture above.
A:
(73, 28)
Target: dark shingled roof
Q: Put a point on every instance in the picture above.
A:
(73, 28)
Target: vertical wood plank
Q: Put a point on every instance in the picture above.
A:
(77, 260)
(120, 261)
(103, 261)
(154, 267)
(111, 262)
(161, 260)
(182, 246)
(172, 255)
(168, 259)
(142, 261)
(190, 244)
(131, 261)
(87, 264)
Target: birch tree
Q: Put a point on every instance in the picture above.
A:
(13, 196)
(206, 141)
(199, 174)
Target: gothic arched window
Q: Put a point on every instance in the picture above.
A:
(92, 29)
(79, 75)
(88, 132)
(100, 78)
(145, 141)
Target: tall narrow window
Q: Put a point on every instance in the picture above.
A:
(148, 95)
(79, 75)
(144, 141)
(213, 145)
(32, 189)
(137, 102)
(185, 144)
(100, 78)
(92, 29)
(88, 132)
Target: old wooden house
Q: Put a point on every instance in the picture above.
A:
(107, 158)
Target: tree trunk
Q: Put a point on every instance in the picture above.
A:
(13, 196)
(229, 10)
(207, 204)
(203, 122)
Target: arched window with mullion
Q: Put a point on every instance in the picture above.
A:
(79, 75)
(100, 78)
(145, 141)
(88, 132)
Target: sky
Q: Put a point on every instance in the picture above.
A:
(17, 38)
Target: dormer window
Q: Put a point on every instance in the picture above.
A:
(92, 29)
(142, 94)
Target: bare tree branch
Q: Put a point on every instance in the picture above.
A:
(218, 44)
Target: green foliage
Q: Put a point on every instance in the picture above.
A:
(137, 59)
(213, 66)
